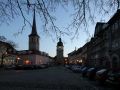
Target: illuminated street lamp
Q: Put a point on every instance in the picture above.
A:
(17, 59)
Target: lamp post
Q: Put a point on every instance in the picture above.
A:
(17, 59)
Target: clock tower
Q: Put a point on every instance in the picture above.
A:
(60, 49)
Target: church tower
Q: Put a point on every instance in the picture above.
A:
(60, 49)
(34, 37)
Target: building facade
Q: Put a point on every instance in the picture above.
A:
(75, 57)
(103, 50)
(114, 45)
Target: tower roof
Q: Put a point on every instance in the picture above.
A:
(60, 42)
(34, 30)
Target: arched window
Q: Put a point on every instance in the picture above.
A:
(115, 62)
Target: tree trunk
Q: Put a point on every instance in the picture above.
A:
(2, 60)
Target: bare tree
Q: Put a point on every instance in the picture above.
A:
(13, 44)
(2, 38)
(6, 49)
(84, 12)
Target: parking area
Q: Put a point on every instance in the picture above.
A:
(52, 78)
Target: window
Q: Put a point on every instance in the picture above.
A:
(60, 47)
(37, 39)
(116, 25)
(112, 28)
(115, 44)
(32, 39)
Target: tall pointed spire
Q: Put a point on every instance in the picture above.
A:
(34, 37)
(59, 39)
(34, 30)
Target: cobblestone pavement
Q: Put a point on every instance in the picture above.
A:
(53, 78)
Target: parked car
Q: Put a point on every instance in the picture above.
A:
(67, 66)
(77, 69)
(10, 67)
(91, 72)
(19, 67)
(43, 66)
(102, 75)
(113, 78)
(84, 71)
(28, 67)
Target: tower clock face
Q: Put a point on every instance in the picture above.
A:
(60, 47)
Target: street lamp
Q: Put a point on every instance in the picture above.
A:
(17, 59)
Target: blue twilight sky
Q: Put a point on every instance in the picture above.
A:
(46, 43)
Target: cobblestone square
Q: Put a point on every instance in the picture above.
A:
(52, 78)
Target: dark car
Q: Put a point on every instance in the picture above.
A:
(113, 78)
(19, 67)
(28, 67)
(42, 66)
(76, 68)
(84, 71)
(102, 75)
(10, 67)
(67, 66)
(91, 72)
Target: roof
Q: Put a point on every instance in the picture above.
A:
(99, 26)
(115, 17)
(60, 42)
(75, 52)
(8, 46)
(28, 52)
(72, 53)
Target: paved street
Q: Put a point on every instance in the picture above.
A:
(53, 78)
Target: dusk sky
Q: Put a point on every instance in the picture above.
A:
(46, 43)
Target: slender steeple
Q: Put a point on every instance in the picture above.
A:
(34, 30)
(34, 37)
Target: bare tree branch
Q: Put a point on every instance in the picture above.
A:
(25, 20)
(84, 12)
